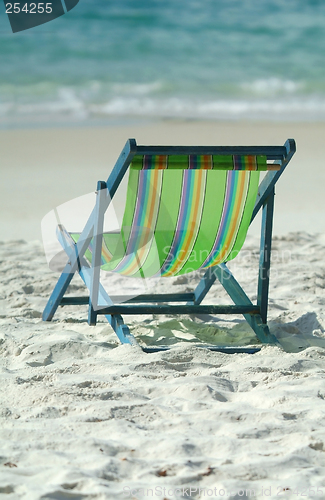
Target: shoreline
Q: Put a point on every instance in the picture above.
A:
(44, 167)
(67, 122)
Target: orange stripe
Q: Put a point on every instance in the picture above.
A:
(190, 230)
(236, 213)
(251, 163)
(148, 220)
(162, 160)
(207, 162)
(232, 227)
(107, 256)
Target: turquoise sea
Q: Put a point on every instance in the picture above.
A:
(214, 59)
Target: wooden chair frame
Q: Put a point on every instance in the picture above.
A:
(255, 315)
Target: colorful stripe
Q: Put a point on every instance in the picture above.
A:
(244, 162)
(200, 162)
(188, 224)
(106, 255)
(182, 213)
(206, 162)
(143, 224)
(155, 162)
(234, 204)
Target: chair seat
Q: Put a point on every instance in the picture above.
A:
(179, 220)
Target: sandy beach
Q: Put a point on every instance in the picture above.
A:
(84, 417)
(43, 168)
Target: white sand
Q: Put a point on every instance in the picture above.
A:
(84, 417)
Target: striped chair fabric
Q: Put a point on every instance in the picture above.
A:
(182, 213)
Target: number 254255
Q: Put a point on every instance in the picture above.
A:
(33, 8)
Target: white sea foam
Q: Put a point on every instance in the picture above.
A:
(215, 109)
(270, 99)
(272, 86)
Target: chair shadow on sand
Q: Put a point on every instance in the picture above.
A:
(304, 332)
(293, 336)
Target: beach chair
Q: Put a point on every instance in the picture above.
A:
(187, 208)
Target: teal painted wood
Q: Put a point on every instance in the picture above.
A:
(230, 284)
(224, 349)
(164, 297)
(269, 181)
(179, 309)
(116, 321)
(266, 187)
(121, 330)
(75, 301)
(272, 152)
(97, 252)
(74, 252)
(204, 285)
(79, 249)
(121, 166)
(85, 272)
(69, 270)
(265, 256)
(238, 295)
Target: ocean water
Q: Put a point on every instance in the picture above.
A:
(193, 59)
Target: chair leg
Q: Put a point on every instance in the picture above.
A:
(121, 329)
(204, 286)
(75, 252)
(115, 320)
(239, 297)
(265, 256)
(97, 251)
(113, 182)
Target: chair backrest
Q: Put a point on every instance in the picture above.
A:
(183, 212)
